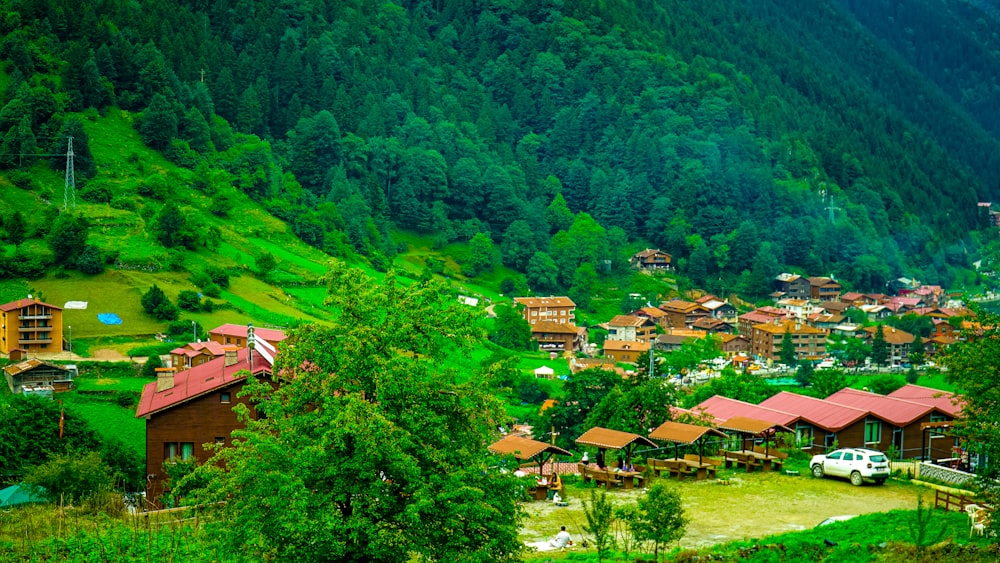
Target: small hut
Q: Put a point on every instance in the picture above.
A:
(681, 434)
(528, 450)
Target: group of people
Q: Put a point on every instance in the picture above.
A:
(622, 464)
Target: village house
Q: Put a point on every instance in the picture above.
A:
(747, 321)
(624, 351)
(719, 309)
(853, 298)
(651, 259)
(825, 321)
(876, 313)
(631, 328)
(734, 344)
(31, 325)
(943, 328)
(713, 326)
(766, 339)
(188, 409)
(236, 335)
(682, 314)
(558, 337)
(197, 353)
(673, 339)
(655, 314)
(559, 310)
(718, 409)
(899, 342)
(835, 425)
(903, 418)
(824, 289)
(35, 376)
(800, 308)
(792, 286)
(836, 307)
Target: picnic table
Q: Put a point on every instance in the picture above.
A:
(609, 477)
(751, 459)
(682, 467)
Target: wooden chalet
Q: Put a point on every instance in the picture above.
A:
(792, 285)
(625, 351)
(845, 426)
(720, 409)
(188, 409)
(558, 337)
(682, 314)
(655, 314)
(651, 259)
(196, 353)
(824, 289)
(631, 328)
(903, 422)
(237, 335)
(561, 310)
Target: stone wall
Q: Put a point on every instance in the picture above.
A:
(944, 474)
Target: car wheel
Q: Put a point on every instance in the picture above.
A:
(856, 479)
(817, 471)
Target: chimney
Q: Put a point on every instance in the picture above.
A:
(164, 379)
(230, 358)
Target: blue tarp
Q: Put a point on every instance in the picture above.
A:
(109, 318)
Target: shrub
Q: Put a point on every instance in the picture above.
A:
(189, 300)
(96, 192)
(72, 476)
(124, 203)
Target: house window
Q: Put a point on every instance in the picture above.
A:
(830, 440)
(173, 450)
(804, 436)
(220, 440)
(873, 431)
(224, 397)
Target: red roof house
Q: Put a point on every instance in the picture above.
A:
(943, 400)
(903, 418)
(841, 425)
(188, 409)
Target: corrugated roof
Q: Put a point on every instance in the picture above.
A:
(724, 408)
(28, 365)
(752, 425)
(943, 400)
(612, 439)
(897, 411)
(524, 448)
(824, 414)
(197, 381)
(271, 335)
(622, 345)
(14, 305)
(681, 433)
(627, 320)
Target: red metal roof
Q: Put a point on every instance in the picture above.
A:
(14, 305)
(943, 400)
(197, 381)
(824, 414)
(897, 411)
(723, 408)
(271, 335)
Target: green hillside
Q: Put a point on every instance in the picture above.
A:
(745, 139)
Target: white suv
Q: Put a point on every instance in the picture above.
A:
(858, 464)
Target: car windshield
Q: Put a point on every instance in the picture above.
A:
(877, 458)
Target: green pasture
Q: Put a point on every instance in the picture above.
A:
(109, 420)
(314, 261)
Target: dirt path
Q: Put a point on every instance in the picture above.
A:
(750, 506)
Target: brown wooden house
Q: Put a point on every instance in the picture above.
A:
(835, 424)
(237, 335)
(651, 259)
(197, 353)
(824, 289)
(792, 285)
(682, 314)
(625, 351)
(188, 409)
(34, 373)
(901, 431)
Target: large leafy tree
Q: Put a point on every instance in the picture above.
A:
(370, 450)
(68, 238)
(510, 330)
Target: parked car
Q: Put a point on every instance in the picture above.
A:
(857, 464)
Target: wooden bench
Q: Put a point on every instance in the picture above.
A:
(740, 459)
(600, 476)
(705, 472)
(672, 467)
(777, 458)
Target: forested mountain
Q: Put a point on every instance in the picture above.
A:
(837, 136)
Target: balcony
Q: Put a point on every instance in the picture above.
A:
(34, 317)
(35, 328)
(35, 341)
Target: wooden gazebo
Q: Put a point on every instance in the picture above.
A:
(682, 434)
(754, 428)
(607, 439)
(526, 449)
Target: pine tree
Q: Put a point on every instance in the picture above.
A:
(788, 355)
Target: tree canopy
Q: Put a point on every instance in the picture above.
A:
(370, 450)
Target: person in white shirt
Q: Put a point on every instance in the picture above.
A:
(562, 539)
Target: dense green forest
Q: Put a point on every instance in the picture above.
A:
(835, 137)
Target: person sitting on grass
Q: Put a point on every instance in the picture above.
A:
(562, 539)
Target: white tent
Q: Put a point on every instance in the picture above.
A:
(545, 371)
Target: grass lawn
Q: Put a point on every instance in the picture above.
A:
(109, 420)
